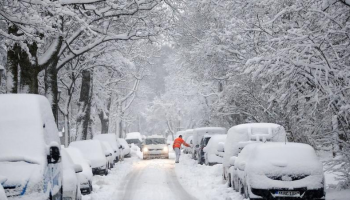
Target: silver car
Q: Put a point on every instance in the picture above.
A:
(155, 147)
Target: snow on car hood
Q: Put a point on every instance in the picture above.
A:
(20, 174)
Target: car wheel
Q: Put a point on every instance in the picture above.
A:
(106, 172)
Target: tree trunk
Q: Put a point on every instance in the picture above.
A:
(104, 121)
(22, 68)
(84, 120)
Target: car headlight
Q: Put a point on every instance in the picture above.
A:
(165, 149)
(145, 149)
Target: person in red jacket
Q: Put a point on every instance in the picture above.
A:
(177, 145)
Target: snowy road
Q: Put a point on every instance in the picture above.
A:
(154, 179)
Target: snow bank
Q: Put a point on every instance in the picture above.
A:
(111, 186)
(92, 151)
(135, 151)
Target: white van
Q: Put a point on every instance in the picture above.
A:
(198, 135)
(243, 134)
(30, 149)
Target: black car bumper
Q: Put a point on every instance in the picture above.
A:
(304, 193)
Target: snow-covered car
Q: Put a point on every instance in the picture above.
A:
(188, 150)
(109, 153)
(187, 134)
(211, 155)
(280, 170)
(125, 147)
(155, 147)
(30, 149)
(134, 138)
(92, 150)
(85, 177)
(241, 135)
(201, 137)
(2, 191)
(71, 184)
(112, 140)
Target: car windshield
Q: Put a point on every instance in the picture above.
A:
(155, 141)
(130, 141)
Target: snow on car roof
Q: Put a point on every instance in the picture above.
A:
(27, 126)
(245, 132)
(91, 150)
(156, 136)
(210, 130)
(110, 138)
(133, 135)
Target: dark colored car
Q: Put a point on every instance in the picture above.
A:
(200, 153)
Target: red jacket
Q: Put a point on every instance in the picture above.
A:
(178, 142)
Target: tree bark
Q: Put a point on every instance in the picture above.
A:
(22, 68)
(84, 119)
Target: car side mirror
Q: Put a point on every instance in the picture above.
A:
(241, 166)
(221, 147)
(232, 160)
(120, 147)
(205, 149)
(54, 155)
(78, 168)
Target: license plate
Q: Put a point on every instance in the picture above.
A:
(287, 193)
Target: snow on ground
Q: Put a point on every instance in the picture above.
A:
(200, 181)
(107, 187)
(203, 182)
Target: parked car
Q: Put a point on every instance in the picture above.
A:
(241, 135)
(280, 170)
(200, 139)
(155, 147)
(85, 177)
(211, 155)
(30, 149)
(125, 146)
(71, 184)
(2, 191)
(188, 150)
(109, 154)
(92, 150)
(187, 134)
(134, 138)
(112, 141)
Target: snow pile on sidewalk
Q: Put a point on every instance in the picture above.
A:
(203, 182)
(135, 151)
